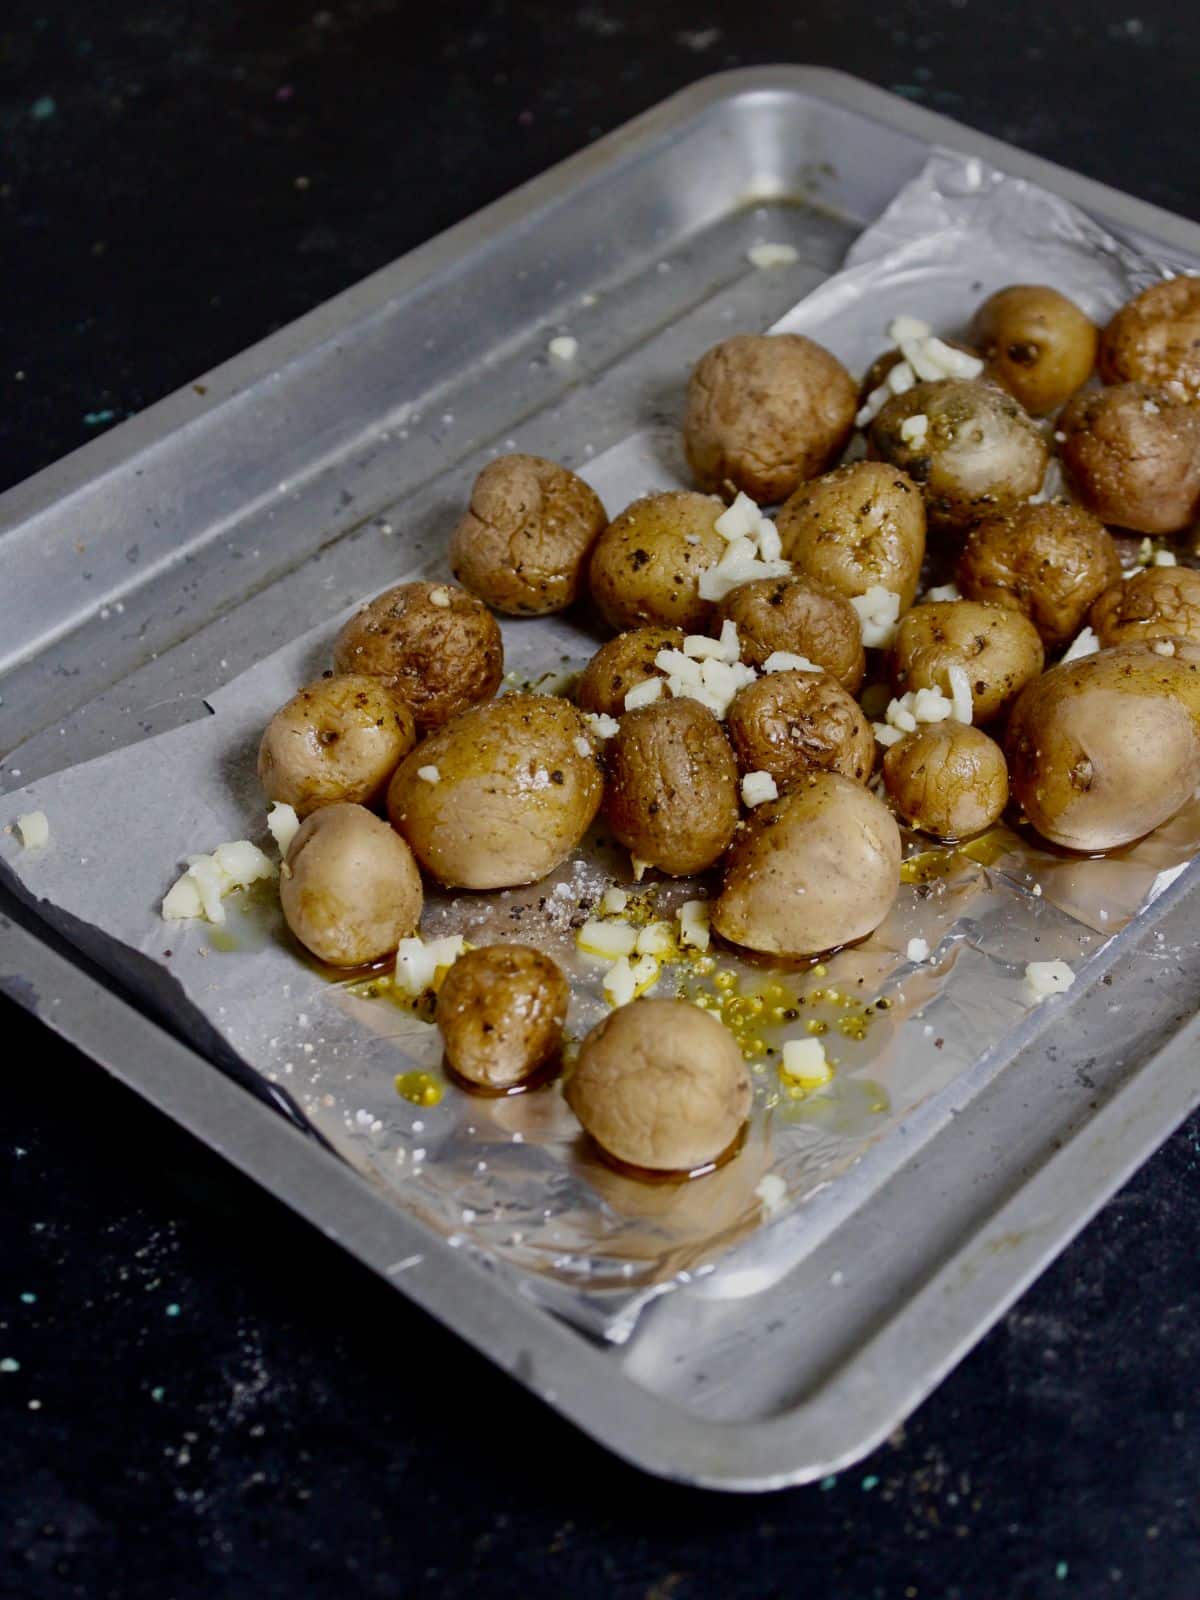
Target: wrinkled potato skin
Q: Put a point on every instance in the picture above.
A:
(1135, 468)
(523, 543)
(672, 797)
(501, 1011)
(947, 779)
(1156, 339)
(643, 570)
(1035, 343)
(514, 798)
(1104, 749)
(765, 412)
(1000, 650)
(439, 659)
(800, 615)
(792, 723)
(981, 453)
(340, 739)
(349, 887)
(620, 665)
(1049, 561)
(660, 1084)
(1157, 603)
(813, 870)
(859, 527)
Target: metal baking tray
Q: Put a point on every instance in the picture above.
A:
(180, 548)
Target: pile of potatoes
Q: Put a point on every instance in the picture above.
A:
(407, 768)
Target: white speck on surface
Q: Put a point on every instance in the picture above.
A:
(765, 255)
(33, 829)
(1085, 643)
(917, 950)
(1046, 978)
(282, 824)
(429, 774)
(772, 1191)
(563, 347)
(440, 596)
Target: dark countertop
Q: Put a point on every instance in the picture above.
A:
(209, 1399)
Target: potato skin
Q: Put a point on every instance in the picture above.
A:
(514, 797)
(1157, 603)
(1049, 561)
(439, 659)
(644, 570)
(671, 798)
(813, 870)
(501, 1011)
(620, 665)
(947, 779)
(524, 541)
(349, 887)
(1000, 650)
(1133, 456)
(765, 412)
(1036, 343)
(1104, 749)
(340, 738)
(859, 527)
(792, 723)
(802, 616)
(981, 453)
(1155, 339)
(660, 1084)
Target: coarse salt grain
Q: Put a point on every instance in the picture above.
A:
(429, 775)
(439, 597)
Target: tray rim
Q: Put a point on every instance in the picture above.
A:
(857, 1407)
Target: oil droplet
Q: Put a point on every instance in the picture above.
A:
(419, 1088)
(221, 939)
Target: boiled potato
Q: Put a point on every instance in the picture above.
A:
(620, 665)
(859, 527)
(672, 786)
(501, 1011)
(436, 645)
(979, 452)
(1103, 749)
(802, 617)
(1049, 560)
(1158, 603)
(789, 723)
(661, 1085)
(349, 887)
(1156, 339)
(1000, 650)
(813, 870)
(500, 794)
(339, 739)
(947, 779)
(647, 563)
(524, 541)
(1035, 343)
(1133, 456)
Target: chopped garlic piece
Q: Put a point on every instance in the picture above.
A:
(182, 901)
(283, 825)
(805, 1063)
(582, 747)
(900, 379)
(1046, 978)
(740, 520)
(34, 830)
(656, 939)
(885, 734)
(429, 775)
(873, 405)
(963, 705)
(1085, 643)
(564, 347)
(638, 867)
(917, 950)
(905, 327)
(1164, 558)
(772, 1191)
(243, 863)
(624, 982)
(946, 591)
(770, 545)
(900, 714)
(439, 597)
(694, 926)
(613, 901)
(788, 661)
(699, 647)
(644, 693)
(602, 725)
(766, 255)
(209, 878)
(1164, 647)
(758, 787)
(731, 645)
(878, 612)
(678, 665)
(931, 705)
(607, 939)
(915, 429)
(418, 963)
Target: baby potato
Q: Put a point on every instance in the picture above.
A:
(1000, 650)
(790, 723)
(765, 412)
(349, 887)
(813, 870)
(672, 797)
(620, 665)
(1049, 561)
(501, 1011)
(1157, 603)
(435, 644)
(947, 779)
(339, 739)
(979, 452)
(1103, 749)
(647, 563)
(801, 616)
(1155, 339)
(1133, 456)
(1035, 343)
(859, 527)
(661, 1085)
(499, 795)
(524, 541)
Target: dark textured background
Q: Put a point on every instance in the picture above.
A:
(209, 1400)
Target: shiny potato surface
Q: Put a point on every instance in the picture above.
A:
(1000, 650)
(646, 565)
(801, 616)
(501, 1011)
(1155, 339)
(947, 779)
(792, 723)
(1157, 603)
(1036, 343)
(620, 665)
(859, 527)
(339, 739)
(1132, 454)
